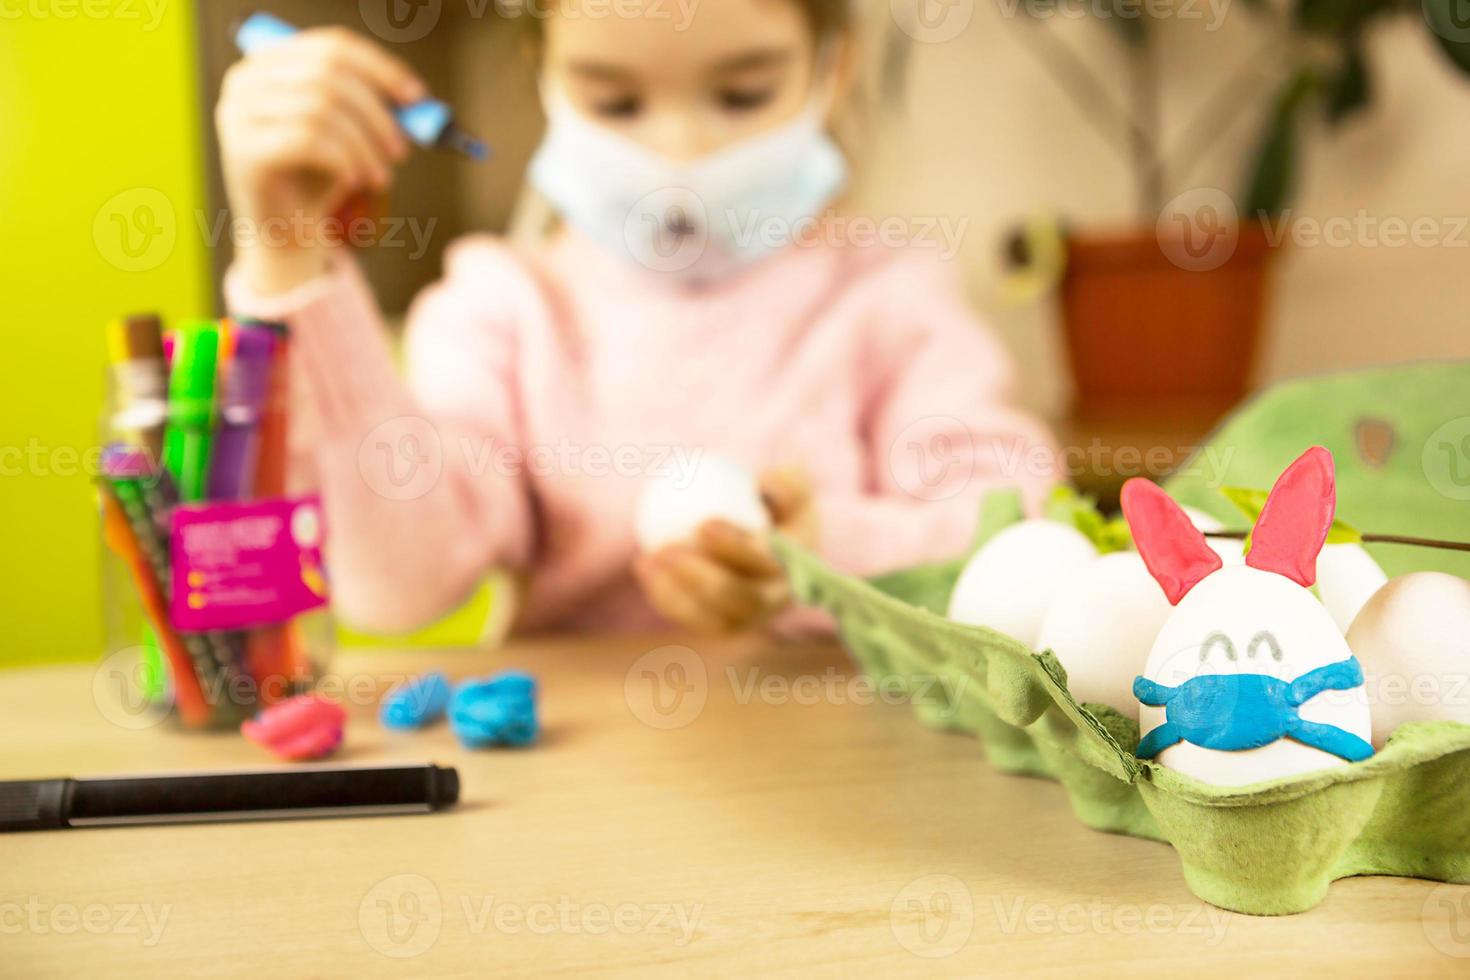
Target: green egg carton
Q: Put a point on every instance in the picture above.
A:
(1268, 849)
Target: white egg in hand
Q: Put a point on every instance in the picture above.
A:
(1347, 576)
(673, 506)
(1008, 584)
(1413, 639)
(1102, 624)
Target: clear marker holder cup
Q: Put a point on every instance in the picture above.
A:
(213, 607)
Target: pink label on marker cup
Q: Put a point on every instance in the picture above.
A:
(239, 565)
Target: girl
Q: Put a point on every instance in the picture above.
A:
(699, 296)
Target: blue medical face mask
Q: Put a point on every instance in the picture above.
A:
(1234, 712)
(698, 221)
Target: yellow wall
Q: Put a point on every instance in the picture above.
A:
(99, 131)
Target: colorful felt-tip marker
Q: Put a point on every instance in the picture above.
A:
(428, 122)
(242, 402)
(118, 532)
(188, 440)
(140, 380)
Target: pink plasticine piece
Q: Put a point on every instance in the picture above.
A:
(305, 727)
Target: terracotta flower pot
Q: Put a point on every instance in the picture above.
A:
(1165, 324)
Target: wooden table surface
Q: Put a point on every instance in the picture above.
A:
(720, 808)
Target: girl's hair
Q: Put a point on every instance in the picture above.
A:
(826, 18)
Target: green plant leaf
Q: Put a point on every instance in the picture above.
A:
(1273, 176)
(1251, 502)
(1348, 91)
(1129, 20)
(1067, 506)
(1336, 17)
(1114, 535)
(1451, 30)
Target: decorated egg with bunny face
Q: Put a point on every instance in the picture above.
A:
(1249, 678)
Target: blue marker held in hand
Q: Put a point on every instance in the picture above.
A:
(416, 702)
(428, 122)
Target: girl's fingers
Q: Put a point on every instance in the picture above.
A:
(332, 72)
(297, 145)
(346, 51)
(373, 168)
(739, 549)
(736, 600)
(343, 110)
(671, 599)
(360, 101)
(741, 601)
(786, 492)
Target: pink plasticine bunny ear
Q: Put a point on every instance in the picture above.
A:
(1293, 525)
(1174, 550)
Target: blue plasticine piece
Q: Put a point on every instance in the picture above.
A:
(1234, 712)
(416, 702)
(500, 710)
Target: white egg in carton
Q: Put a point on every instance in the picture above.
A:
(1186, 606)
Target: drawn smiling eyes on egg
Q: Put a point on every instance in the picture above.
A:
(1265, 638)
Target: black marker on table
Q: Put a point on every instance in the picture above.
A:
(276, 794)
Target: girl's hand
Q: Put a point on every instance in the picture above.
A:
(303, 126)
(727, 579)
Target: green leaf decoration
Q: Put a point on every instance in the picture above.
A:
(1067, 506)
(1251, 502)
(998, 511)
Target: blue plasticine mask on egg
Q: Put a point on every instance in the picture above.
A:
(1234, 712)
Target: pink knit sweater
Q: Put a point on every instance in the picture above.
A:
(543, 389)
